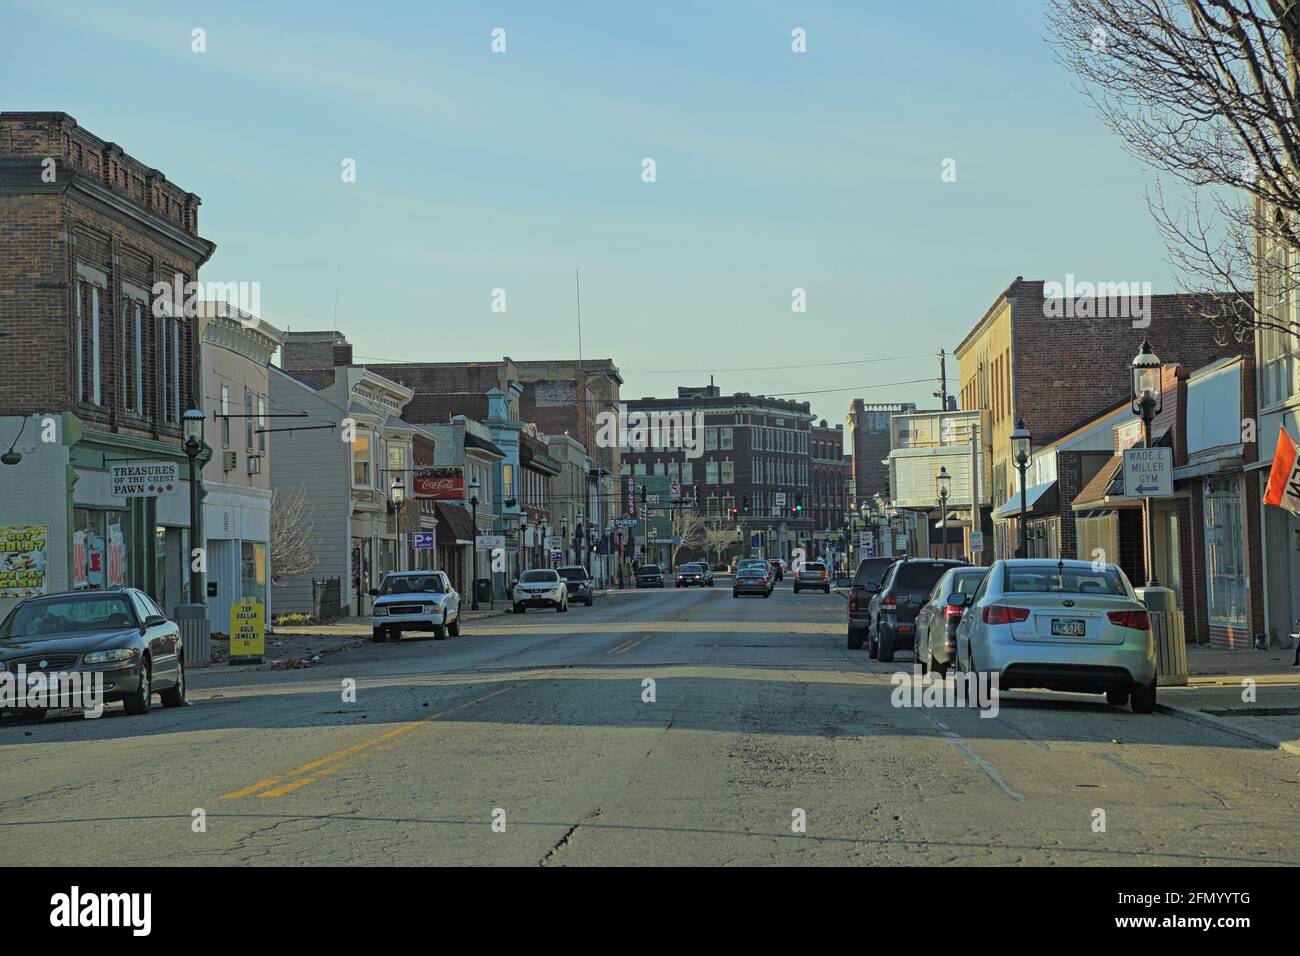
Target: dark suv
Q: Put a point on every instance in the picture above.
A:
(906, 587)
(649, 576)
(582, 589)
(866, 583)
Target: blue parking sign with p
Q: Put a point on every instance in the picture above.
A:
(422, 540)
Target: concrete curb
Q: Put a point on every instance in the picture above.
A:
(1291, 747)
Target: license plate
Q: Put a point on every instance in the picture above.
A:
(1068, 627)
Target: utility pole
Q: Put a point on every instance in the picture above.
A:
(942, 394)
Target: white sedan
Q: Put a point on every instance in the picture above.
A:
(540, 588)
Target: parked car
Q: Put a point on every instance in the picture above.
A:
(865, 586)
(414, 601)
(120, 633)
(582, 587)
(813, 576)
(752, 580)
(1061, 625)
(891, 624)
(649, 576)
(541, 587)
(936, 622)
(695, 573)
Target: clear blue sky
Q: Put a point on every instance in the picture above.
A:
(478, 171)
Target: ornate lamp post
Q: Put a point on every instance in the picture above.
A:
(1020, 453)
(1148, 401)
(473, 510)
(942, 479)
(397, 493)
(192, 421)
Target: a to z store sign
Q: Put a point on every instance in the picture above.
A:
(247, 630)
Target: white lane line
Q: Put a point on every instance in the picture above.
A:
(974, 759)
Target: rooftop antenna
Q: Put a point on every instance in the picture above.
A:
(337, 271)
(577, 282)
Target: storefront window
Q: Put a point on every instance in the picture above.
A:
(252, 571)
(1225, 555)
(99, 549)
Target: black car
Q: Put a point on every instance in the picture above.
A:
(649, 576)
(697, 573)
(905, 589)
(120, 633)
(582, 589)
(866, 584)
(752, 580)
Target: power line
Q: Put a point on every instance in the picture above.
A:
(767, 368)
(854, 388)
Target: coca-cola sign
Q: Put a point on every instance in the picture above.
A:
(442, 484)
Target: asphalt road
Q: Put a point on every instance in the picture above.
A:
(761, 718)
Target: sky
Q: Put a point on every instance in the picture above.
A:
(479, 170)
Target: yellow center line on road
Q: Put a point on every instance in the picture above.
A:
(628, 645)
(324, 766)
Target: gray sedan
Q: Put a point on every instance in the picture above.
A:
(936, 622)
(120, 635)
(1061, 625)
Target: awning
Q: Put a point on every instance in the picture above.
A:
(454, 525)
(1039, 500)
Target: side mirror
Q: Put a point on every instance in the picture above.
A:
(957, 599)
(373, 592)
(153, 620)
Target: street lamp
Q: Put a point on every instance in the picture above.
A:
(1148, 401)
(473, 506)
(192, 422)
(581, 528)
(1020, 452)
(397, 493)
(564, 537)
(942, 479)
(523, 534)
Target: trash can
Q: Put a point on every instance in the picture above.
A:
(196, 638)
(1167, 631)
(483, 589)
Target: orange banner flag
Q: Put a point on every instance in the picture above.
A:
(1284, 478)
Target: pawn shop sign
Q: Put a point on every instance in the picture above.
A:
(247, 630)
(1284, 478)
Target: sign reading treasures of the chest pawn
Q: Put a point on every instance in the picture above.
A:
(144, 479)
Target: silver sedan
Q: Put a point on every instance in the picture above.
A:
(1062, 625)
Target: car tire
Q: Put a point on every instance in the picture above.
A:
(768, 594)
(378, 636)
(519, 609)
(453, 628)
(394, 633)
(1117, 696)
(139, 701)
(937, 668)
(562, 607)
(734, 594)
(873, 645)
(175, 696)
(589, 601)
(885, 653)
(439, 632)
(924, 663)
(1143, 699)
(855, 640)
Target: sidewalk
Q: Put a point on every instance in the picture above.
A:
(1217, 682)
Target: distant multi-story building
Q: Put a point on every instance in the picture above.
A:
(869, 442)
(754, 450)
(94, 374)
(832, 473)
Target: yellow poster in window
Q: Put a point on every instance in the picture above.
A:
(247, 629)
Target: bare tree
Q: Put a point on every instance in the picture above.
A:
(293, 538)
(692, 526)
(1208, 93)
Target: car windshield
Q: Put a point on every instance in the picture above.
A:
(870, 573)
(751, 573)
(921, 576)
(649, 569)
(573, 574)
(73, 613)
(689, 567)
(412, 584)
(538, 577)
(1059, 578)
(815, 567)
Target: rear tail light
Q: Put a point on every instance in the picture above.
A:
(889, 603)
(953, 611)
(997, 614)
(1137, 620)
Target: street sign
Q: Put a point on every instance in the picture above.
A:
(675, 491)
(422, 540)
(780, 499)
(144, 479)
(625, 522)
(1149, 472)
(977, 541)
(486, 542)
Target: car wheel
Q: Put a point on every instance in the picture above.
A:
(175, 696)
(885, 653)
(937, 668)
(1117, 696)
(924, 662)
(873, 645)
(394, 633)
(855, 640)
(454, 627)
(439, 632)
(734, 594)
(140, 701)
(378, 636)
(519, 609)
(1143, 699)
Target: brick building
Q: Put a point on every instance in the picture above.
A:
(1025, 360)
(832, 473)
(754, 448)
(869, 442)
(93, 374)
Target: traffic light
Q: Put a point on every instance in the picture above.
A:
(735, 512)
(798, 503)
(744, 504)
(643, 494)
